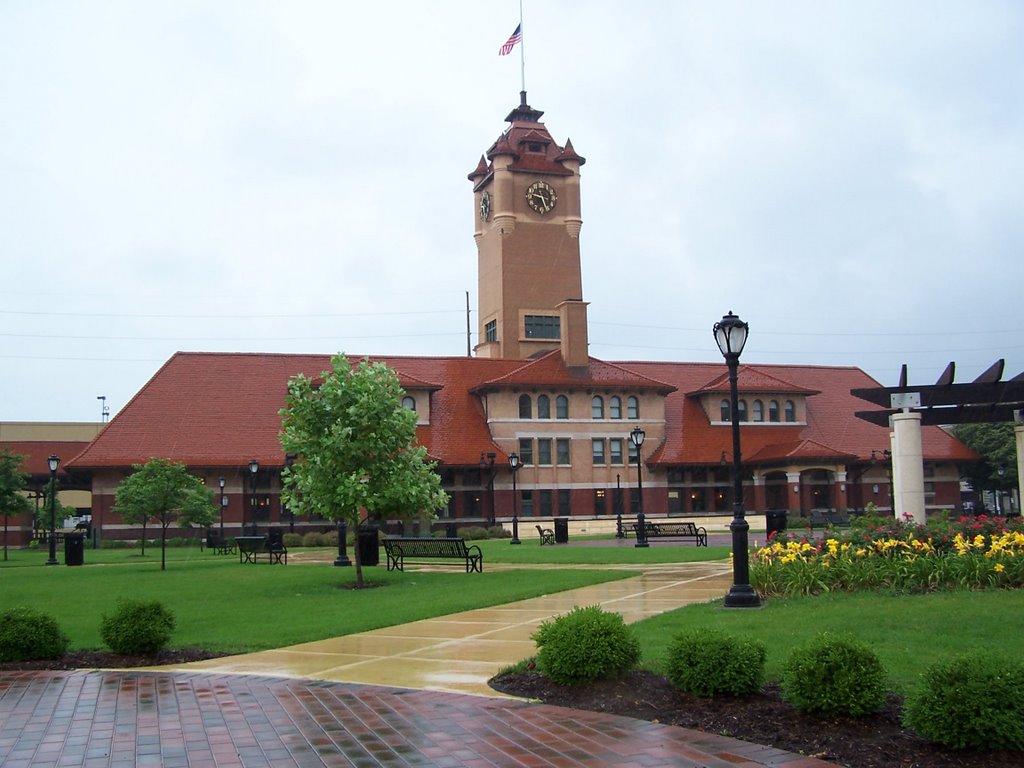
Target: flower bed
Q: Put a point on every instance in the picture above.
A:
(883, 554)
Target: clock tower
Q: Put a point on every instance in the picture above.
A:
(526, 194)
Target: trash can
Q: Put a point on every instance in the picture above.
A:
(74, 549)
(275, 539)
(369, 547)
(775, 520)
(561, 530)
(451, 530)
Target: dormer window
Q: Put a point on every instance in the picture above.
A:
(534, 146)
(725, 411)
(409, 403)
(790, 411)
(773, 411)
(758, 410)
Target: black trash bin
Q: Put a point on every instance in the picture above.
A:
(275, 538)
(369, 546)
(74, 549)
(561, 530)
(775, 520)
(451, 530)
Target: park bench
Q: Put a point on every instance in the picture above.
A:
(251, 547)
(680, 530)
(547, 536)
(828, 520)
(219, 544)
(402, 550)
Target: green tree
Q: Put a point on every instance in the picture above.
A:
(12, 481)
(356, 448)
(998, 449)
(165, 492)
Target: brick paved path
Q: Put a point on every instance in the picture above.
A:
(115, 719)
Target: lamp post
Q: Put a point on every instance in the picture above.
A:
(636, 437)
(223, 503)
(487, 462)
(731, 335)
(53, 462)
(513, 462)
(620, 532)
(254, 467)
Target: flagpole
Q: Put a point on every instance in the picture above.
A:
(522, 48)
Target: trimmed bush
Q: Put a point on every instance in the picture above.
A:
(473, 532)
(705, 662)
(137, 626)
(584, 645)
(970, 701)
(498, 532)
(27, 634)
(834, 675)
(292, 540)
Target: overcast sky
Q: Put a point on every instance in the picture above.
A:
(266, 176)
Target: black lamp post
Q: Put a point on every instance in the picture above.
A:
(731, 335)
(487, 462)
(223, 503)
(254, 468)
(513, 461)
(54, 462)
(636, 437)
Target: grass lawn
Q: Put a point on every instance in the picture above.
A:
(224, 606)
(908, 632)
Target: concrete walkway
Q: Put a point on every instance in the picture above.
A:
(351, 701)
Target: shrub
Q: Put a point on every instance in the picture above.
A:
(137, 627)
(834, 675)
(498, 532)
(292, 540)
(584, 645)
(27, 634)
(706, 662)
(473, 532)
(317, 539)
(974, 701)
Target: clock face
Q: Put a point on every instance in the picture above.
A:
(541, 197)
(485, 206)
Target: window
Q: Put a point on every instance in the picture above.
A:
(526, 503)
(632, 451)
(409, 403)
(545, 502)
(597, 451)
(723, 407)
(543, 327)
(543, 407)
(525, 407)
(564, 501)
(615, 450)
(741, 410)
(597, 408)
(600, 501)
(525, 450)
(632, 408)
(615, 408)
(790, 411)
(561, 407)
(773, 410)
(544, 451)
(491, 331)
(470, 504)
(758, 410)
(562, 451)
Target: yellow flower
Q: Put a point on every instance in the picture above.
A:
(999, 568)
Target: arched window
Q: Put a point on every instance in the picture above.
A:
(597, 407)
(409, 403)
(758, 410)
(725, 411)
(525, 407)
(790, 411)
(773, 410)
(543, 407)
(632, 408)
(741, 410)
(562, 407)
(615, 408)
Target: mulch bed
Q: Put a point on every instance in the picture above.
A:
(877, 741)
(108, 660)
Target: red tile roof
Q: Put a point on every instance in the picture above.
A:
(36, 453)
(548, 371)
(753, 380)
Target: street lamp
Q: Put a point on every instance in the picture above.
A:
(636, 437)
(513, 461)
(53, 462)
(730, 335)
(487, 462)
(254, 467)
(223, 503)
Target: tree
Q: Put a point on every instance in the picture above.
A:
(998, 449)
(356, 448)
(165, 492)
(12, 481)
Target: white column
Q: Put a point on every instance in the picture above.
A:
(908, 467)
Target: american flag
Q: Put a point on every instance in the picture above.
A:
(516, 37)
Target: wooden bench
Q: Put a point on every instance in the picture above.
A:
(547, 536)
(402, 550)
(680, 530)
(251, 547)
(219, 545)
